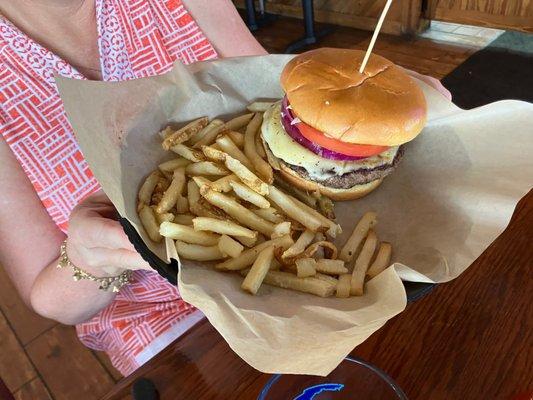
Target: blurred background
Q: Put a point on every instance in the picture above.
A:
(480, 48)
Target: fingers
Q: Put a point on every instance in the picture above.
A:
(429, 80)
(95, 231)
(114, 260)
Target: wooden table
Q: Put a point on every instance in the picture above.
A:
(468, 339)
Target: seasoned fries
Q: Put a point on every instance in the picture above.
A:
(349, 250)
(217, 202)
(331, 267)
(246, 176)
(222, 227)
(171, 165)
(197, 252)
(293, 210)
(208, 134)
(382, 260)
(310, 285)
(248, 256)
(237, 211)
(301, 244)
(187, 153)
(147, 188)
(224, 184)
(229, 246)
(361, 264)
(227, 145)
(343, 286)
(239, 122)
(205, 168)
(185, 133)
(149, 221)
(187, 234)
(170, 197)
(259, 106)
(305, 267)
(263, 168)
(249, 195)
(237, 138)
(259, 269)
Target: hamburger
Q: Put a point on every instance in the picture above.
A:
(339, 131)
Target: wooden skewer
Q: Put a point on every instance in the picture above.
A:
(375, 35)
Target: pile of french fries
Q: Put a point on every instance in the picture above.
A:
(220, 200)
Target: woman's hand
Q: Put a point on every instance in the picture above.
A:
(433, 82)
(96, 241)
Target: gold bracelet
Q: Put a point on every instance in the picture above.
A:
(115, 283)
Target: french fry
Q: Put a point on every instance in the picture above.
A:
(201, 181)
(259, 147)
(183, 219)
(205, 209)
(187, 234)
(222, 227)
(270, 214)
(209, 134)
(301, 195)
(300, 245)
(239, 122)
(251, 196)
(275, 265)
(193, 192)
(259, 106)
(246, 176)
(248, 256)
(185, 133)
(334, 229)
(326, 207)
(259, 269)
(223, 184)
(147, 188)
(237, 138)
(173, 192)
(310, 285)
(263, 168)
(188, 153)
(248, 242)
(171, 165)
(382, 260)
(292, 210)
(227, 145)
(166, 132)
(361, 264)
(331, 267)
(330, 250)
(327, 278)
(182, 205)
(229, 246)
(197, 252)
(281, 229)
(205, 168)
(343, 286)
(350, 248)
(305, 267)
(165, 217)
(237, 211)
(149, 221)
(214, 154)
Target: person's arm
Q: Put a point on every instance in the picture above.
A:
(224, 27)
(29, 248)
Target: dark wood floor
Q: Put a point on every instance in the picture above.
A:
(41, 359)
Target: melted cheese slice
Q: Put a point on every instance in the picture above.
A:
(287, 149)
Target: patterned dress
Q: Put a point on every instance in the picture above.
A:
(136, 38)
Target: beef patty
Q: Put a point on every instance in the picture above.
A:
(357, 177)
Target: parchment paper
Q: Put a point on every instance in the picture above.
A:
(452, 195)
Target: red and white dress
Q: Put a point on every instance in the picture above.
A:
(136, 38)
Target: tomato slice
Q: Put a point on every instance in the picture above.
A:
(349, 149)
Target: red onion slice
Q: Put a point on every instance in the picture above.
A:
(290, 124)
